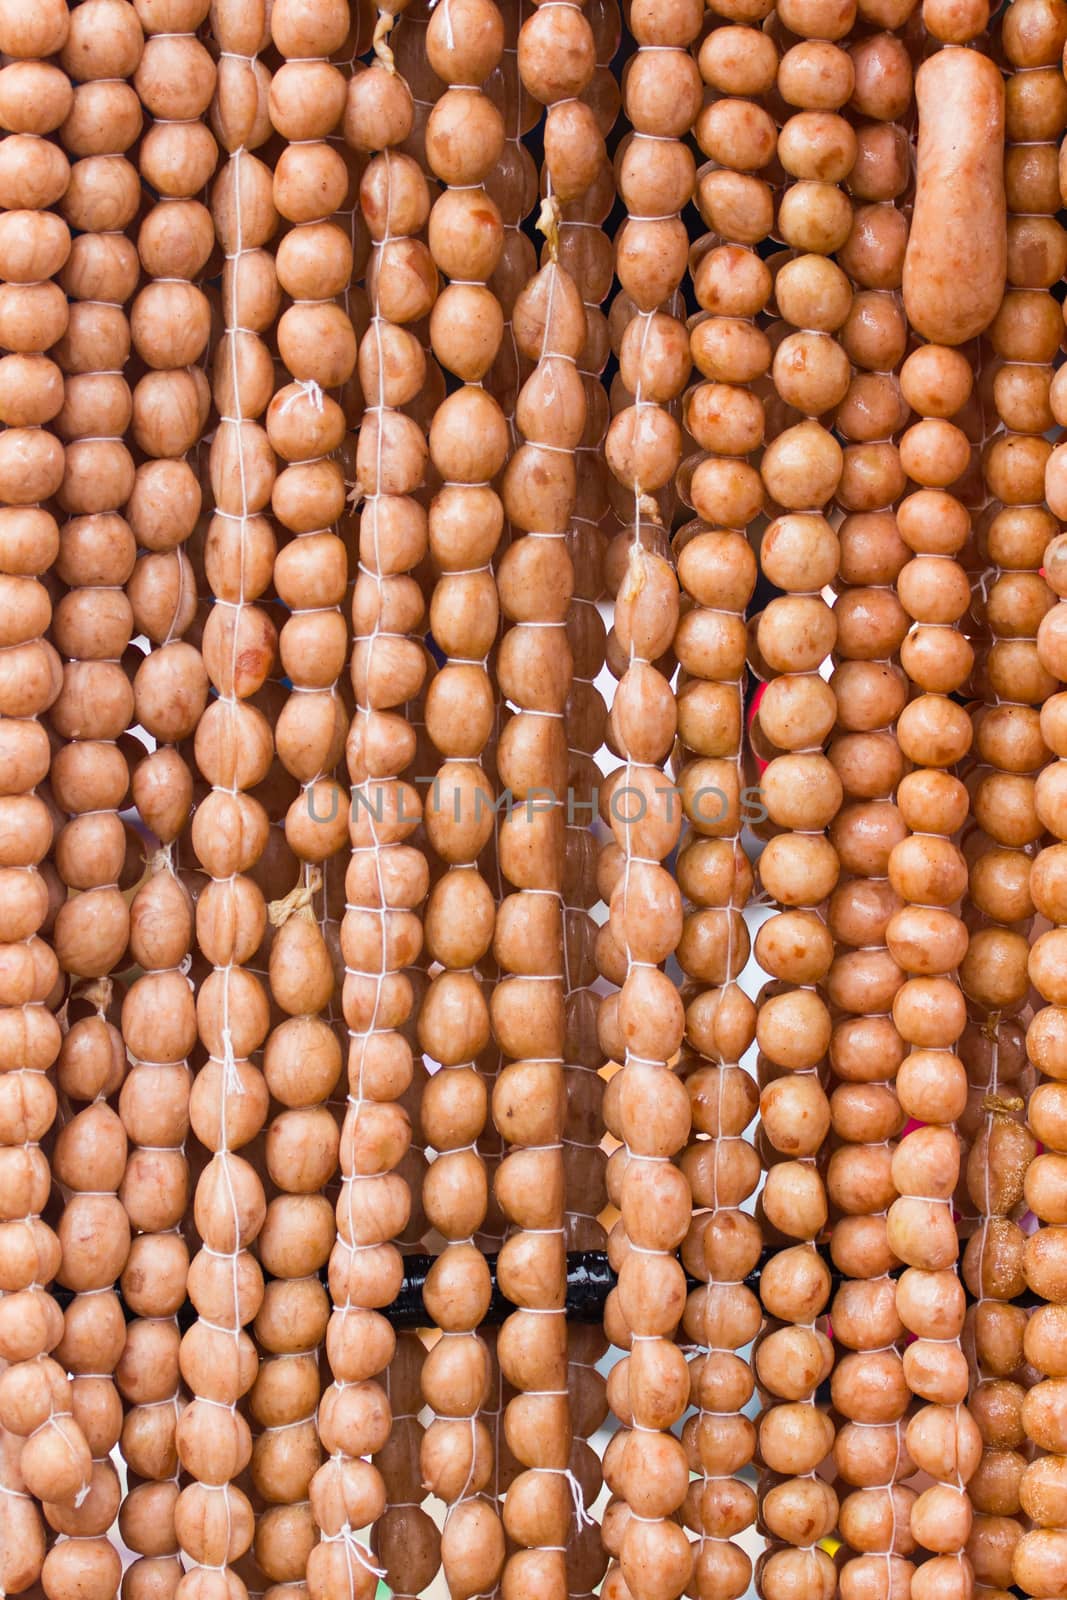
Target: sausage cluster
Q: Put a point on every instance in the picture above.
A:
(533, 734)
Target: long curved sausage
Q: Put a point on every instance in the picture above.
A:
(956, 260)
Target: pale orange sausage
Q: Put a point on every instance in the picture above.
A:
(956, 260)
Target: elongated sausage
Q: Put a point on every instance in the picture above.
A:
(956, 260)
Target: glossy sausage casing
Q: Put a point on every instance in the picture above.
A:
(956, 261)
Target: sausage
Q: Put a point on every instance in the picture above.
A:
(956, 260)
